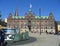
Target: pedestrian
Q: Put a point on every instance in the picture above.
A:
(1, 37)
(46, 32)
(40, 32)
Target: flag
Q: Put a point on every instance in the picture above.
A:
(30, 5)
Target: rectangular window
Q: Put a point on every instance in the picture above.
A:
(46, 27)
(51, 27)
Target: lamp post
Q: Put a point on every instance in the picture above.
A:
(0, 15)
(40, 19)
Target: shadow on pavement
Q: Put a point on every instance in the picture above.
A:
(59, 44)
(32, 39)
(57, 34)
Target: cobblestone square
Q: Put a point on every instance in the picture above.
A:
(39, 40)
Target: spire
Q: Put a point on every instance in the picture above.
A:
(0, 15)
(30, 9)
(16, 12)
(51, 14)
(40, 12)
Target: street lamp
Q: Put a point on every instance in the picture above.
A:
(40, 19)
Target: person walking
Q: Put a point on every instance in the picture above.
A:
(1, 37)
(46, 32)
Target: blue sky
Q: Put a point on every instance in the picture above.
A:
(47, 6)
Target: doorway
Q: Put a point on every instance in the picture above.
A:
(29, 25)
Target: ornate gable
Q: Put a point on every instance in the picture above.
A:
(30, 15)
(51, 17)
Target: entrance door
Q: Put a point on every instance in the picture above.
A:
(29, 25)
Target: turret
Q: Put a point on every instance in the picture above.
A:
(51, 17)
(10, 16)
(16, 12)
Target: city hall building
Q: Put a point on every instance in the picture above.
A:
(31, 22)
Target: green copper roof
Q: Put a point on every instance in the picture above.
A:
(23, 17)
(42, 17)
(15, 17)
(37, 17)
(18, 17)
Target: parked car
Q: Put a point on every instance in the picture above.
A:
(9, 34)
